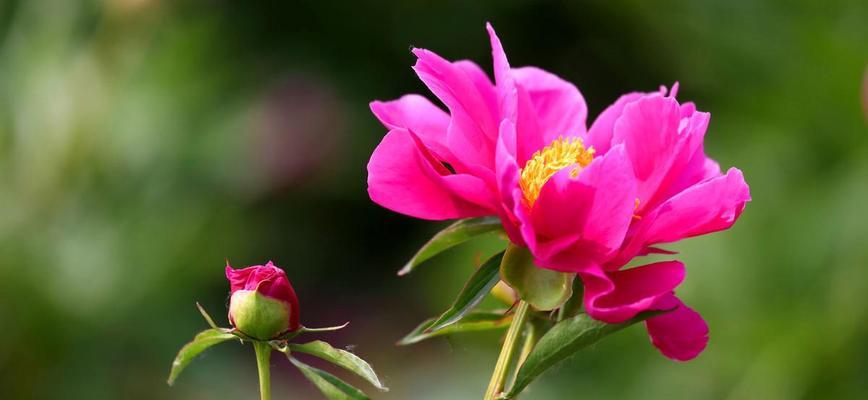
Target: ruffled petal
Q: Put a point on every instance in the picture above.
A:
(238, 277)
(680, 334)
(710, 206)
(700, 168)
(559, 106)
(511, 213)
(481, 81)
(584, 218)
(404, 177)
(648, 128)
(498, 56)
(689, 164)
(473, 128)
(665, 143)
(417, 114)
(617, 296)
(515, 104)
(603, 129)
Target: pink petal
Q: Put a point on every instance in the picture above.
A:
(511, 213)
(238, 277)
(617, 296)
(656, 250)
(404, 177)
(664, 141)
(473, 129)
(585, 217)
(515, 104)
(648, 128)
(529, 135)
(710, 206)
(542, 106)
(687, 109)
(501, 64)
(689, 164)
(560, 107)
(680, 334)
(603, 129)
(482, 83)
(699, 168)
(415, 113)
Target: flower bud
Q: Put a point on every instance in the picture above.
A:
(263, 304)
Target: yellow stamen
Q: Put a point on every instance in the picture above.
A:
(559, 154)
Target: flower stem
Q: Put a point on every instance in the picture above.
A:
(507, 352)
(263, 358)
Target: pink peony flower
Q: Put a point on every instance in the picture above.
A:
(263, 304)
(581, 200)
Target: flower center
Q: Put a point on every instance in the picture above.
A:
(559, 154)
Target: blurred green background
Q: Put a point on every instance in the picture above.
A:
(143, 142)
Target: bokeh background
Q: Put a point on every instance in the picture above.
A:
(143, 142)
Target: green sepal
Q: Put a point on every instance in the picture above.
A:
(304, 329)
(476, 288)
(562, 341)
(453, 235)
(200, 343)
(258, 316)
(331, 386)
(207, 317)
(471, 322)
(543, 289)
(575, 304)
(341, 358)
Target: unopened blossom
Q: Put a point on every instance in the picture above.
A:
(263, 304)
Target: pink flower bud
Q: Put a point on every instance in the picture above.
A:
(263, 304)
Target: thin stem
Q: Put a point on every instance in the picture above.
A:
(530, 339)
(507, 352)
(263, 358)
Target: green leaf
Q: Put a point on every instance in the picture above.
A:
(479, 284)
(564, 339)
(200, 343)
(341, 358)
(472, 321)
(455, 234)
(331, 386)
(544, 289)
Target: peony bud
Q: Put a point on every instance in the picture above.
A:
(263, 304)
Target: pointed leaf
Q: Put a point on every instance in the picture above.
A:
(479, 284)
(564, 339)
(544, 289)
(205, 315)
(331, 386)
(472, 321)
(341, 358)
(200, 343)
(455, 234)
